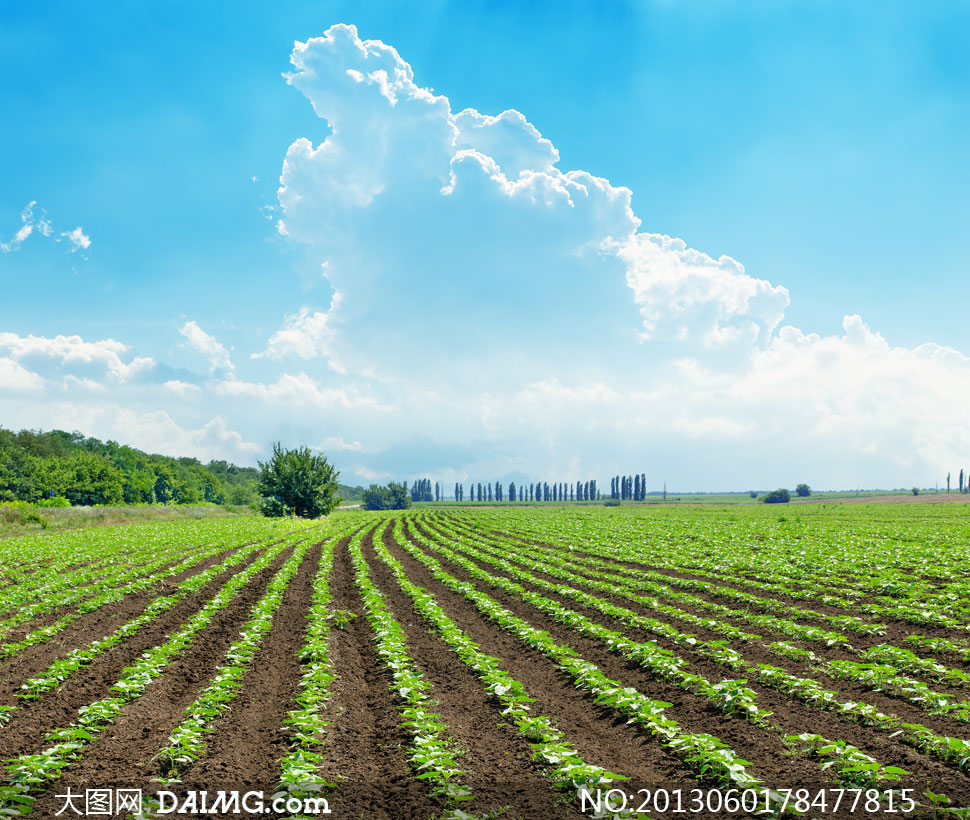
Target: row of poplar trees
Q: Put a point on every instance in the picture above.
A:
(421, 490)
(544, 491)
(629, 487)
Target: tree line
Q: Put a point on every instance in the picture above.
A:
(56, 467)
(38, 466)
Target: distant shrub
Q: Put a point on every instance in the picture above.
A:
(778, 496)
(915, 490)
(803, 491)
(612, 502)
(753, 494)
(56, 501)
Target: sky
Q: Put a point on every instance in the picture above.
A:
(725, 244)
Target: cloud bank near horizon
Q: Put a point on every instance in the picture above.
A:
(485, 314)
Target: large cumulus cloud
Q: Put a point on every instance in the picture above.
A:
(450, 233)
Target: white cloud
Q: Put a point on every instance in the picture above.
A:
(371, 475)
(73, 352)
(78, 239)
(157, 432)
(513, 142)
(305, 335)
(446, 234)
(32, 224)
(15, 378)
(72, 382)
(338, 443)
(686, 295)
(207, 345)
(181, 388)
(297, 390)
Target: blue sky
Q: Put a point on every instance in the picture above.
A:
(504, 328)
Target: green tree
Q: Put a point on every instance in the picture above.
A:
(803, 491)
(92, 480)
(392, 497)
(777, 497)
(299, 481)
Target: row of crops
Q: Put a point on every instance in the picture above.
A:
(492, 663)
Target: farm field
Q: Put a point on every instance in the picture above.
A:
(512, 662)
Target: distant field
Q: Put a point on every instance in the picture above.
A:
(496, 662)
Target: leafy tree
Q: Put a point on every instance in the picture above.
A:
(298, 480)
(803, 491)
(779, 496)
(512, 495)
(915, 491)
(392, 497)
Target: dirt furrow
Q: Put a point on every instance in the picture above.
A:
(501, 772)
(365, 744)
(245, 746)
